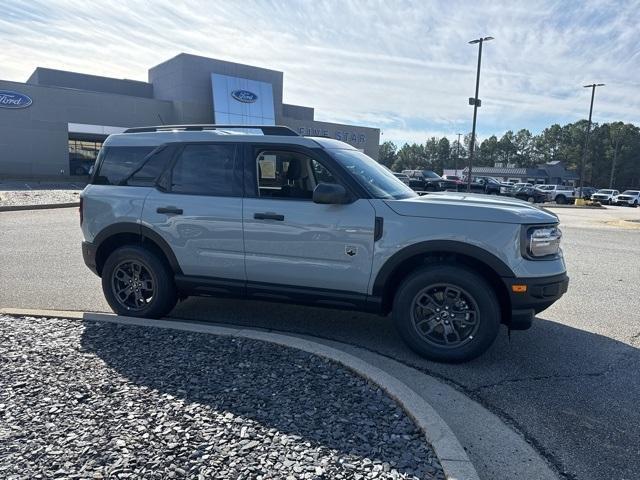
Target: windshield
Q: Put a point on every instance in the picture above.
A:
(630, 192)
(375, 179)
(607, 192)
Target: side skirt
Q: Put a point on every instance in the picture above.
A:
(317, 297)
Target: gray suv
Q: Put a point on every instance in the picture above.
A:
(265, 214)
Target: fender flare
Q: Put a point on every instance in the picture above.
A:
(144, 233)
(438, 246)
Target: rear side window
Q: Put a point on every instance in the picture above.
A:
(207, 170)
(118, 162)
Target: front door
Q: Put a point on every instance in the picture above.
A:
(200, 213)
(292, 241)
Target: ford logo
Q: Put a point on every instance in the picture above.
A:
(244, 96)
(10, 99)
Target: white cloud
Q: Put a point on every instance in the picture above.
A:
(403, 66)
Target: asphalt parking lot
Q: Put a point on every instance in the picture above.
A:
(570, 385)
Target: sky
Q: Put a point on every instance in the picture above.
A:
(402, 66)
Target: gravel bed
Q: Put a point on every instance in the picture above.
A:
(100, 400)
(38, 197)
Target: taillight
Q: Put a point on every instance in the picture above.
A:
(80, 211)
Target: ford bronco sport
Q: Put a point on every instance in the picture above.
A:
(265, 214)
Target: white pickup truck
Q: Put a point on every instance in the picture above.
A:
(561, 194)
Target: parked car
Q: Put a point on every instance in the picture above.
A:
(628, 197)
(586, 192)
(428, 180)
(560, 194)
(403, 177)
(530, 194)
(488, 185)
(174, 211)
(605, 196)
(506, 187)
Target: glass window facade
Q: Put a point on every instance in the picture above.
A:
(82, 156)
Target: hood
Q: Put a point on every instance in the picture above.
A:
(469, 206)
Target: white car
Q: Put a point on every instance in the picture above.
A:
(605, 196)
(628, 197)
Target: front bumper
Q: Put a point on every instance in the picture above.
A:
(540, 294)
(89, 256)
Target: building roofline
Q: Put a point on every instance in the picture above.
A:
(47, 69)
(184, 54)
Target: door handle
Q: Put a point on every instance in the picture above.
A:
(173, 210)
(268, 216)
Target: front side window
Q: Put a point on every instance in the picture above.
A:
(289, 175)
(206, 170)
(373, 177)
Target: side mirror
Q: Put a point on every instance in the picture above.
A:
(330, 193)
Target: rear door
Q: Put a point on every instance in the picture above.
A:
(198, 210)
(292, 241)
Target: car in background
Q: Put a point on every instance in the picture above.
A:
(628, 197)
(529, 194)
(506, 188)
(403, 177)
(586, 192)
(605, 196)
(560, 194)
(428, 180)
(487, 185)
(515, 186)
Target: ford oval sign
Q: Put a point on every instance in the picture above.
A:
(10, 99)
(244, 96)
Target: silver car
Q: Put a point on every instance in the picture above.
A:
(262, 213)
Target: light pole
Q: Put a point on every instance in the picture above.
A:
(455, 164)
(475, 101)
(586, 141)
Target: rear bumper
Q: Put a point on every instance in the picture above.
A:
(540, 294)
(89, 256)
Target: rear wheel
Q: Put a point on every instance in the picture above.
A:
(137, 283)
(447, 313)
(531, 199)
(561, 200)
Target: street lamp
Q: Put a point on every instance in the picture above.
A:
(586, 142)
(475, 101)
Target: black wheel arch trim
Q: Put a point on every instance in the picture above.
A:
(438, 246)
(144, 233)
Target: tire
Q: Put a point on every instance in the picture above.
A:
(531, 200)
(635, 203)
(159, 296)
(477, 294)
(561, 200)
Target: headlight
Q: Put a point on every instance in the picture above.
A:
(543, 242)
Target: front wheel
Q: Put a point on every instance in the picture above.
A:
(137, 283)
(561, 200)
(447, 313)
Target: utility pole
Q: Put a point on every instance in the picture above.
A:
(475, 101)
(455, 164)
(615, 156)
(586, 142)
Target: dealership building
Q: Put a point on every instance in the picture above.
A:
(54, 124)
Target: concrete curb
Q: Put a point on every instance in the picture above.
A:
(454, 459)
(579, 207)
(44, 206)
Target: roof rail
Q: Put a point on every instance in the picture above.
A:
(266, 129)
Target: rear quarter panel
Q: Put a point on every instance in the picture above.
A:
(105, 205)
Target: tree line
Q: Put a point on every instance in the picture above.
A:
(613, 153)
